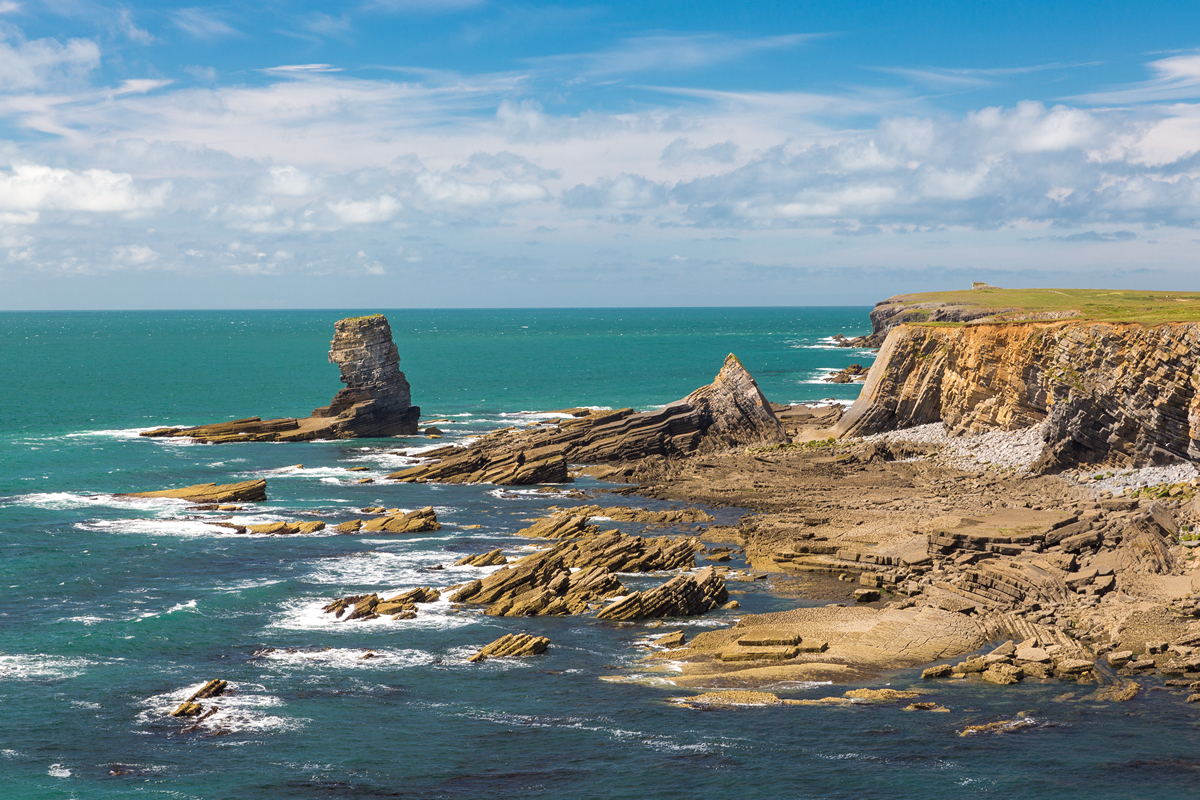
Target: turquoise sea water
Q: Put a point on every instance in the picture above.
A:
(112, 611)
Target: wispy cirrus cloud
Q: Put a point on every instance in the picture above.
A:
(202, 23)
(667, 53)
(974, 78)
(1175, 78)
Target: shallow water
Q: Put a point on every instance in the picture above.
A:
(112, 611)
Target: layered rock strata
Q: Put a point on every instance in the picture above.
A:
(376, 402)
(729, 412)
(513, 645)
(1107, 393)
(575, 575)
(208, 493)
(683, 596)
(372, 606)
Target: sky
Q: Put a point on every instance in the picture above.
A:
(483, 153)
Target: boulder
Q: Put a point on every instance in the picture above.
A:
(512, 645)
(940, 671)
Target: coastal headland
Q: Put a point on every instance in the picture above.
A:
(964, 499)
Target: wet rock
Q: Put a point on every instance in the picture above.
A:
(512, 645)
(214, 688)
(188, 709)
(1002, 674)
(244, 492)
(672, 639)
(940, 671)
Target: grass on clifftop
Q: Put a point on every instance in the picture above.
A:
(1098, 305)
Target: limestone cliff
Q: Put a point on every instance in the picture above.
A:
(376, 401)
(1119, 393)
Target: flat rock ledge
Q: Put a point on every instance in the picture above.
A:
(207, 493)
(513, 645)
(729, 412)
(376, 402)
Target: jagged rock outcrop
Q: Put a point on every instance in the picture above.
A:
(376, 402)
(682, 596)
(851, 374)
(512, 645)
(492, 558)
(1108, 392)
(207, 493)
(574, 574)
(275, 528)
(372, 606)
(419, 521)
(729, 412)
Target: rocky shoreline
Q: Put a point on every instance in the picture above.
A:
(926, 543)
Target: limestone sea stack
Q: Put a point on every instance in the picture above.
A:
(377, 401)
(729, 412)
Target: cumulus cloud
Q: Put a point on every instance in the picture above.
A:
(32, 187)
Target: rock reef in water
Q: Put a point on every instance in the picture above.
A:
(244, 492)
(376, 402)
(729, 412)
(513, 645)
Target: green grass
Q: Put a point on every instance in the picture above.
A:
(1096, 305)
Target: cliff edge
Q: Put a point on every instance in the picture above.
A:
(376, 402)
(1115, 392)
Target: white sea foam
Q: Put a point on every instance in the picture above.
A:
(342, 658)
(307, 615)
(58, 771)
(158, 527)
(64, 501)
(240, 710)
(116, 433)
(190, 605)
(18, 667)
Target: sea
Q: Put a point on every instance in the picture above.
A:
(113, 611)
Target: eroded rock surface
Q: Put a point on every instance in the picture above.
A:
(513, 645)
(205, 493)
(729, 412)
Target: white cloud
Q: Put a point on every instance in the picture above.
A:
(1176, 78)
(202, 23)
(43, 62)
(133, 255)
(132, 32)
(291, 182)
(360, 212)
(669, 53)
(32, 187)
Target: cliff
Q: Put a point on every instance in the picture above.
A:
(1109, 392)
(375, 403)
(729, 412)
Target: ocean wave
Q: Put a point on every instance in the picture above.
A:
(240, 710)
(190, 605)
(58, 771)
(66, 501)
(307, 615)
(343, 658)
(18, 667)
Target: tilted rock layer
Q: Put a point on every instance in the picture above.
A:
(729, 412)
(376, 402)
(1108, 392)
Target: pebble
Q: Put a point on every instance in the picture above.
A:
(1017, 451)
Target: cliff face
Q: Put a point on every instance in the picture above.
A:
(1110, 392)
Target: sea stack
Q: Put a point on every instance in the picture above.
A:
(376, 402)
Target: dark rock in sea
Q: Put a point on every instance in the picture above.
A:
(729, 412)
(376, 402)
(851, 374)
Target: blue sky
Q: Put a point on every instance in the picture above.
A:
(461, 153)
